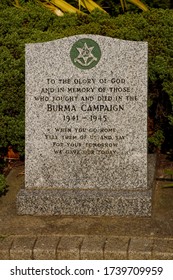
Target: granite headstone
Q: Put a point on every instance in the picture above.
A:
(86, 128)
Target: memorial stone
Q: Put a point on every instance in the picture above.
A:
(86, 128)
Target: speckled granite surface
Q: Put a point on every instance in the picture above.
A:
(86, 127)
(105, 202)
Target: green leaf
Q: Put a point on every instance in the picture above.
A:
(168, 172)
(168, 186)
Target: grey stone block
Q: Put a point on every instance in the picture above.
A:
(86, 128)
(88, 202)
(118, 140)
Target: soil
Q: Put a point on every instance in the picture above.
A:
(160, 224)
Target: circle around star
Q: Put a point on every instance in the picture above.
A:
(85, 53)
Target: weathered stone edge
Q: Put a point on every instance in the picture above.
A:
(85, 248)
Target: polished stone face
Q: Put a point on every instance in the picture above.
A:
(86, 115)
(86, 128)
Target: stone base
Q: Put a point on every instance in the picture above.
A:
(84, 202)
(88, 202)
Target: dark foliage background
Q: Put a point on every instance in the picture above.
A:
(33, 23)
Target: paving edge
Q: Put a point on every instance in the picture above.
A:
(85, 248)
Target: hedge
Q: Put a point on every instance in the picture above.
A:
(36, 24)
